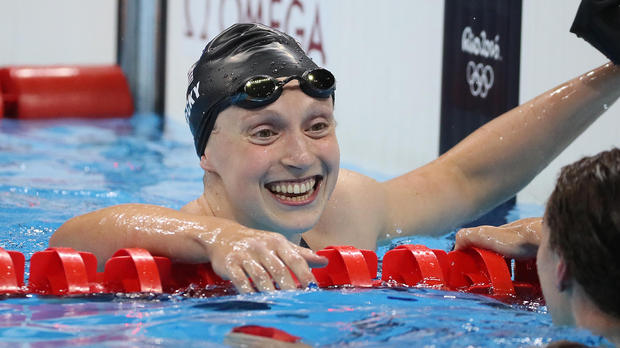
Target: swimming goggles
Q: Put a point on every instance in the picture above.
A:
(261, 90)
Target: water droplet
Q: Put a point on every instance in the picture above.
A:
(501, 138)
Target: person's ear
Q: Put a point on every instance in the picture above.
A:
(562, 275)
(206, 163)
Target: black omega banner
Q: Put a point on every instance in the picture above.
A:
(480, 73)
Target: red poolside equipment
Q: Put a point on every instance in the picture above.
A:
(36, 92)
(63, 271)
(347, 266)
(415, 265)
(182, 275)
(526, 282)
(269, 332)
(11, 272)
(479, 271)
(135, 270)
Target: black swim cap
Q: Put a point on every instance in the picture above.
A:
(238, 53)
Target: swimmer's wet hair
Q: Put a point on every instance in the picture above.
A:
(583, 215)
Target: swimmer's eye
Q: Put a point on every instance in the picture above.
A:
(264, 133)
(263, 136)
(319, 129)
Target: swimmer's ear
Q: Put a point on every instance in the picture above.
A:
(206, 164)
(562, 275)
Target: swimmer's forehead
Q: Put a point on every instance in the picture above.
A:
(314, 107)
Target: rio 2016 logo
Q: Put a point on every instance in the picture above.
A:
(298, 18)
(480, 77)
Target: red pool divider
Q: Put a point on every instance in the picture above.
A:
(269, 332)
(347, 266)
(36, 92)
(526, 282)
(135, 270)
(11, 272)
(415, 265)
(470, 270)
(1, 104)
(182, 275)
(64, 271)
(480, 271)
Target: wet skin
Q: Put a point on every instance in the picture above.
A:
(554, 282)
(566, 300)
(247, 231)
(288, 143)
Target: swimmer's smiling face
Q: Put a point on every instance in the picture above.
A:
(277, 164)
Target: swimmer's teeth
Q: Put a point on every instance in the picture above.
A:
(294, 188)
(297, 198)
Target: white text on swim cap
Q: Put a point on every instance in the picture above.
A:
(191, 99)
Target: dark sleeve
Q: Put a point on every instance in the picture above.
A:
(598, 22)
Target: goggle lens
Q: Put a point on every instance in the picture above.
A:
(260, 87)
(320, 79)
(263, 89)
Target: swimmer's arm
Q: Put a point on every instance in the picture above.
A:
(234, 250)
(498, 159)
(160, 230)
(519, 239)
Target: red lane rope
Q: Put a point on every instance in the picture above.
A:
(64, 271)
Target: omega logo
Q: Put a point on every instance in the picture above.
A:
(298, 18)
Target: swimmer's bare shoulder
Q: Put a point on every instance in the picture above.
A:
(196, 207)
(362, 211)
(355, 214)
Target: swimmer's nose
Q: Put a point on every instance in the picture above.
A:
(297, 152)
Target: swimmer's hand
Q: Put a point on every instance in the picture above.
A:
(518, 239)
(265, 257)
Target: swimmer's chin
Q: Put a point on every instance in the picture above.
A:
(292, 231)
(292, 227)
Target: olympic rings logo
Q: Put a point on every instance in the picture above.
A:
(480, 79)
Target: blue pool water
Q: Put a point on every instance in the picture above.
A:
(53, 170)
